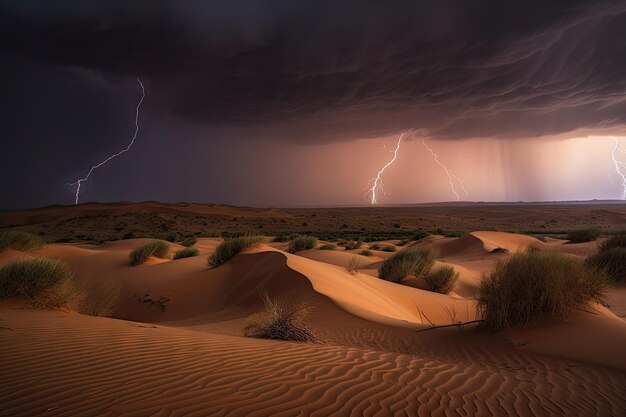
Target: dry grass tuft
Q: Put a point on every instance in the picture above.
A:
(44, 283)
(141, 254)
(301, 243)
(441, 279)
(281, 320)
(18, 240)
(329, 246)
(186, 253)
(231, 247)
(415, 261)
(534, 284)
(99, 296)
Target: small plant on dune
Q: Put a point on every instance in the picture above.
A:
(406, 262)
(375, 246)
(615, 241)
(44, 283)
(281, 320)
(100, 296)
(441, 279)
(280, 238)
(186, 253)
(367, 252)
(231, 247)
(141, 254)
(534, 284)
(354, 265)
(388, 248)
(302, 243)
(329, 246)
(584, 235)
(352, 245)
(612, 261)
(18, 240)
(189, 242)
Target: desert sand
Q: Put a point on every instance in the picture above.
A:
(371, 359)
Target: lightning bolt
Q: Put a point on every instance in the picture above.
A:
(451, 176)
(619, 166)
(79, 182)
(377, 182)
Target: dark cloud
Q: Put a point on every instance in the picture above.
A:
(328, 70)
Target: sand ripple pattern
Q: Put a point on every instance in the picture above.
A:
(61, 364)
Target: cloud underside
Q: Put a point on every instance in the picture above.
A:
(324, 71)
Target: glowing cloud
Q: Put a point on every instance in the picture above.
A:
(79, 182)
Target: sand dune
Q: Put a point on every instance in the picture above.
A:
(189, 358)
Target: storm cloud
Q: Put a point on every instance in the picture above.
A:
(336, 70)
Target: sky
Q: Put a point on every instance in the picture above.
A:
(274, 103)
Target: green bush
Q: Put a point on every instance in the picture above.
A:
(388, 248)
(231, 247)
(408, 261)
(186, 253)
(329, 246)
(612, 261)
(352, 245)
(302, 243)
(441, 279)
(367, 252)
(615, 241)
(140, 254)
(18, 240)
(45, 283)
(584, 235)
(189, 242)
(534, 284)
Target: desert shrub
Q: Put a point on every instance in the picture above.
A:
(367, 252)
(409, 261)
(351, 245)
(231, 247)
(329, 246)
(302, 243)
(615, 241)
(280, 238)
(189, 242)
(281, 320)
(583, 235)
(186, 253)
(388, 248)
(441, 279)
(45, 283)
(99, 296)
(533, 284)
(375, 246)
(141, 253)
(18, 240)
(612, 261)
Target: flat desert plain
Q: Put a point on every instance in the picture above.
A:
(173, 342)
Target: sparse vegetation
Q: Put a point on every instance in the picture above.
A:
(44, 283)
(18, 240)
(375, 246)
(367, 252)
(301, 243)
(583, 235)
(186, 253)
(329, 246)
(612, 261)
(281, 320)
(280, 238)
(534, 284)
(231, 247)
(354, 244)
(99, 296)
(406, 262)
(141, 254)
(441, 279)
(615, 241)
(189, 242)
(388, 248)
